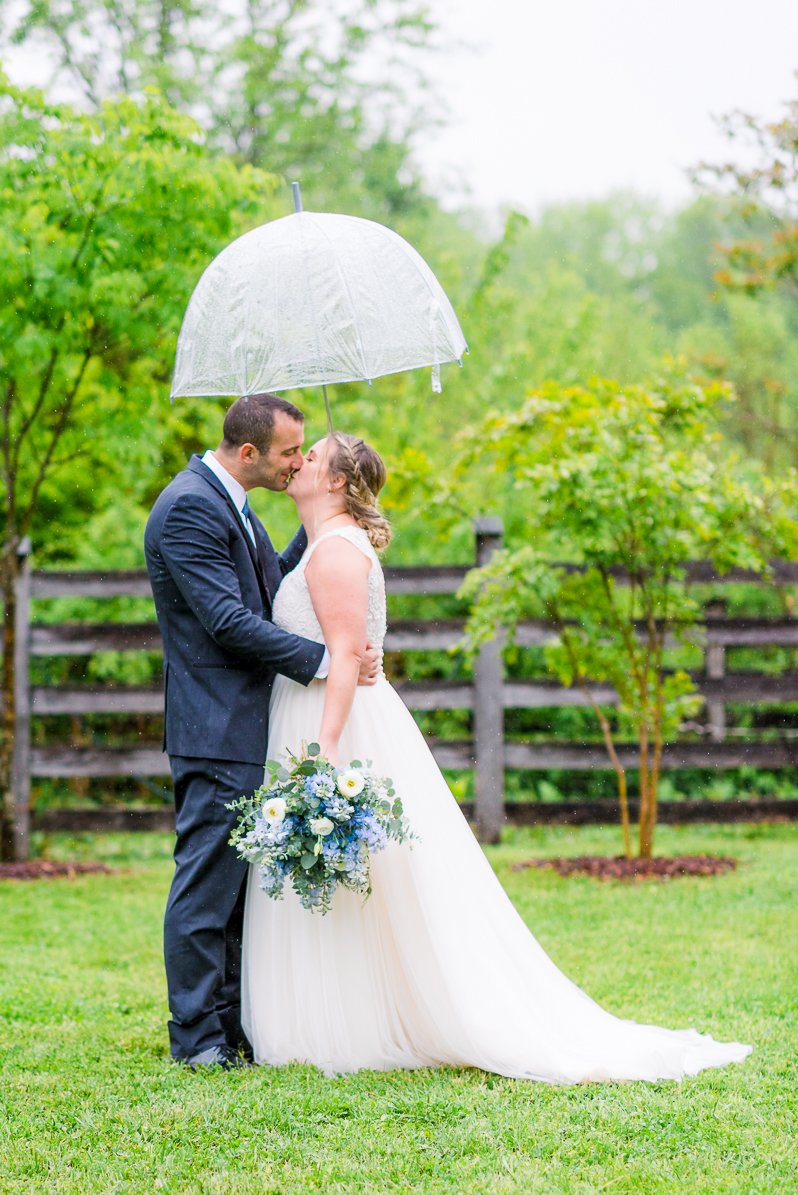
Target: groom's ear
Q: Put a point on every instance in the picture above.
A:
(247, 453)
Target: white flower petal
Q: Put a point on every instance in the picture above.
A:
(350, 783)
(322, 826)
(273, 810)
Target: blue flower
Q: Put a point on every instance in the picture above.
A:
(320, 785)
(338, 808)
(332, 851)
(356, 863)
(272, 875)
(370, 829)
(271, 834)
(313, 897)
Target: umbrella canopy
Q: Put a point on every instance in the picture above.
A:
(311, 299)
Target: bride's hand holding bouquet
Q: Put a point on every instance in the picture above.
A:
(329, 750)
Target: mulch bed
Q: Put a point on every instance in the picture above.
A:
(45, 869)
(604, 867)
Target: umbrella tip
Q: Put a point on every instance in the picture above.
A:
(296, 192)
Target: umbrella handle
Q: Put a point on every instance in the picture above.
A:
(329, 412)
(297, 194)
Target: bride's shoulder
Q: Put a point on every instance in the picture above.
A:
(359, 537)
(339, 548)
(350, 532)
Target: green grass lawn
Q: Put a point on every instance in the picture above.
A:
(89, 1101)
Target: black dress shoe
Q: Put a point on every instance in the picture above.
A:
(243, 1050)
(222, 1056)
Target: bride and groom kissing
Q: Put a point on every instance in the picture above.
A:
(266, 650)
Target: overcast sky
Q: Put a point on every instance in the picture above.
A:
(565, 99)
(573, 99)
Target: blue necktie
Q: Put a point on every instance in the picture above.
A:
(250, 528)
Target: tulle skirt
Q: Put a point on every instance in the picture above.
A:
(436, 967)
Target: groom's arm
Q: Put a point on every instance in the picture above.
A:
(195, 548)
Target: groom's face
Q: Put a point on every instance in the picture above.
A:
(275, 468)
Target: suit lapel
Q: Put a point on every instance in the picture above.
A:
(255, 552)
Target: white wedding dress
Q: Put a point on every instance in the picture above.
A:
(436, 967)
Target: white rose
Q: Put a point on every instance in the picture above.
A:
(321, 826)
(350, 783)
(273, 810)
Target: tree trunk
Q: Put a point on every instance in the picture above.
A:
(648, 816)
(623, 802)
(7, 813)
(645, 828)
(653, 782)
(606, 729)
(620, 775)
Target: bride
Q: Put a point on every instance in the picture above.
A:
(436, 967)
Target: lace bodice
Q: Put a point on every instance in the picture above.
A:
(293, 609)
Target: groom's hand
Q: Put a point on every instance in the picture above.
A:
(369, 666)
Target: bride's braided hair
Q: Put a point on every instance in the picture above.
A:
(364, 473)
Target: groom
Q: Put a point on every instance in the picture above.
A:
(214, 574)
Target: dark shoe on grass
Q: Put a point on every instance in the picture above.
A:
(241, 1047)
(221, 1056)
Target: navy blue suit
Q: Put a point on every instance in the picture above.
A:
(213, 592)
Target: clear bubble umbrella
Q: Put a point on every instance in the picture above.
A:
(309, 300)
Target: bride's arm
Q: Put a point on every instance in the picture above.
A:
(337, 576)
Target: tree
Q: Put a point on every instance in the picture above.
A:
(106, 222)
(756, 259)
(331, 94)
(764, 195)
(623, 485)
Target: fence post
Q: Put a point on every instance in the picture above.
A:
(20, 762)
(488, 710)
(715, 665)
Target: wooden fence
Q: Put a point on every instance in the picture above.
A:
(487, 695)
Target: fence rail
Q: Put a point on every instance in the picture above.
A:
(521, 813)
(83, 639)
(487, 696)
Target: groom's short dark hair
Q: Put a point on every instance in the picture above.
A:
(250, 420)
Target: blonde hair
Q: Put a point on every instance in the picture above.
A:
(364, 473)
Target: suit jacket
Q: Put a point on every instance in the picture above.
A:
(213, 594)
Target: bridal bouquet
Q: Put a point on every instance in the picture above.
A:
(317, 825)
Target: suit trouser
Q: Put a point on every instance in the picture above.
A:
(204, 916)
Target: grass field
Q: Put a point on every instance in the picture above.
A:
(89, 1101)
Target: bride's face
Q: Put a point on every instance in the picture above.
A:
(313, 477)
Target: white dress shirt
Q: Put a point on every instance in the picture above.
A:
(239, 497)
(233, 487)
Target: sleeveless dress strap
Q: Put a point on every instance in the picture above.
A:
(353, 535)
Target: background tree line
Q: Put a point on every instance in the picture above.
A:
(334, 95)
